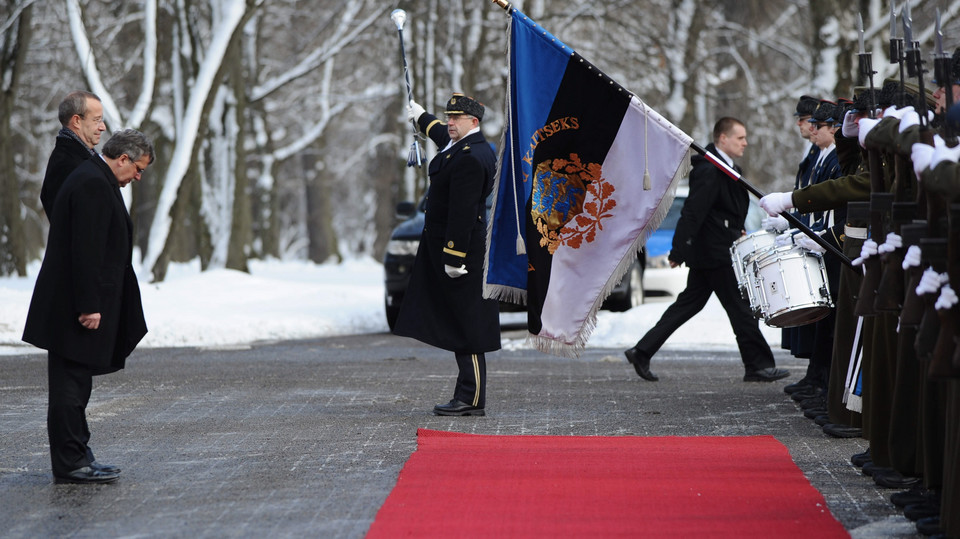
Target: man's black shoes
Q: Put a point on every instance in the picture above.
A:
(842, 431)
(108, 468)
(87, 475)
(641, 364)
(457, 408)
(769, 374)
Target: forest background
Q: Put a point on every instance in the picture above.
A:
(280, 125)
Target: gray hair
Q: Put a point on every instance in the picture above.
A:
(74, 104)
(130, 142)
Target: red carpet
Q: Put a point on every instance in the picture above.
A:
(462, 485)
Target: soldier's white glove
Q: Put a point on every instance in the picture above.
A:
(912, 258)
(777, 223)
(909, 119)
(894, 242)
(777, 203)
(894, 112)
(784, 239)
(866, 124)
(921, 154)
(931, 282)
(414, 110)
(944, 153)
(454, 272)
(850, 127)
(869, 249)
(808, 243)
(947, 299)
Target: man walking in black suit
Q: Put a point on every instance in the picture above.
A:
(711, 220)
(86, 310)
(444, 304)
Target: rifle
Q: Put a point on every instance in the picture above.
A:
(935, 255)
(880, 205)
(944, 354)
(912, 312)
(890, 291)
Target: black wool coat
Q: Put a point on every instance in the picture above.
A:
(712, 217)
(436, 309)
(87, 269)
(67, 155)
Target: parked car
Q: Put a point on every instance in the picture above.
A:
(402, 251)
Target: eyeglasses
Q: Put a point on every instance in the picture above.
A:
(97, 120)
(136, 166)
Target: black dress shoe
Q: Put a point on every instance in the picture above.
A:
(802, 385)
(895, 480)
(929, 526)
(917, 511)
(641, 364)
(806, 394)
(813, 413)
(821, 420)
(87, 475)
(872, 469)
(109, 468)
(842, 431)
(859, 459)
(769, 374)
(916, 494)
(457, 408)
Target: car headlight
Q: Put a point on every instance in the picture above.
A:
(402, 247)
(660, 261)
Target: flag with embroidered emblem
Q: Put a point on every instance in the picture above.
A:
(586, 174)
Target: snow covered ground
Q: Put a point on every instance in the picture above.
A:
(298, 300)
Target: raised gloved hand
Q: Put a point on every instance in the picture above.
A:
(455, 272)
(776, 223)
(808, 243)
(909, 119)
(414, 110)
(947, 299)
(869, 249)
(944, 153)
(931, 281)
(850, 127)
(776, 203)
(912, 257)
(921, 154)
(894, 112)
(894, 242)
(866, 124)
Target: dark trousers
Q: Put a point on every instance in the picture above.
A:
(70, 384)
(472, 379)
(754, 350)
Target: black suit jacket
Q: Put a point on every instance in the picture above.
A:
(712, 216)
(67, 155)
(87, 269)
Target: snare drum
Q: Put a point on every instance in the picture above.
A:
(743, 252)
(792, 287)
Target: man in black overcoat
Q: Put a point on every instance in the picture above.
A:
(444, 304)
(712, 218)
(81, 117)
(86, 310)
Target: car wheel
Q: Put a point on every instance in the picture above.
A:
(633, 295)
(392, 312)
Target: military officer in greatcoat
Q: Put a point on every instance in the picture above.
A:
(444, 304)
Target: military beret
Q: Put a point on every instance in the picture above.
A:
(806, 105)
(461, 104)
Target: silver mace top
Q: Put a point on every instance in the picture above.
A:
(398, 16)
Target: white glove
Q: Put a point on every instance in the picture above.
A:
(808, 243)
(869, 249)
(893, 111)
(866, 124)
(931, 282)
(414, 110)
(909, 119)
(912, 258)
(776, 223)
(455, 272)
(920, 154)
(776, 203)
(944, 153)
(947, 299)
(894, 242)
(850, 127)
(784, 239)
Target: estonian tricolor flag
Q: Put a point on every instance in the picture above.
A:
(586, 174)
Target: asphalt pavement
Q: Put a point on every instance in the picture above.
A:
(306, 438)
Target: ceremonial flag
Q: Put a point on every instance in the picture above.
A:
(586, 174)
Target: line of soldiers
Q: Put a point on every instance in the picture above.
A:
(893, 377)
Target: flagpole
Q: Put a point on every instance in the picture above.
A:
(503, 3)
(792, 219)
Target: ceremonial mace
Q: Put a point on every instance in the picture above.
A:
(415, 157)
